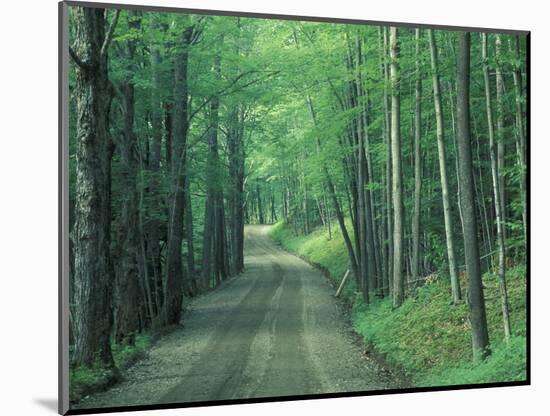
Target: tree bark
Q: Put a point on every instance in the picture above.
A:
(211, 232)
(91, 233)
(154, 228)
(173, 288)
(192, 287)
(500, 130)
(388, 189)
(520, 134)
(361, 174)
(453, 271)
(128, 238)
(417, 164)
(236, 201)
(397, 187)
(476, 301)
(496, 196)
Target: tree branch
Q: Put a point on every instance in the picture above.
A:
(221, 92)
(77, 60)
(110, 33)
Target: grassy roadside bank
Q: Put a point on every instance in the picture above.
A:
(426, 337)
(84, 381)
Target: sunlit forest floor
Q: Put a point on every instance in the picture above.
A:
(425, 337)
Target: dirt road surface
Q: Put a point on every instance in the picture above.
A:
(275, 330)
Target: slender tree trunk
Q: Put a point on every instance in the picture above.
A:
(476, 300)
(520, 134)
(334, 197)
(417, 165)
(154, 228)
(372, 260)
(397, 187)
(259, 203)
(173, 288)
(209, 212)
(236, 173)
(189, 236)
(500, 130)
(128, 240)
(361, 167)
(453, 271)
(211, 235)
(389, 181)
(496, 197)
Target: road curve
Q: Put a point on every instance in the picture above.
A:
(275, 330)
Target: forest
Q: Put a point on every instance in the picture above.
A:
(399, 152)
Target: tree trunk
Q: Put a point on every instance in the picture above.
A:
(361, 174)
(500, 130)
(397, 187)
(236, 202)
(91, 232)
(520, 135)
(211, 233)
(189, 236)
(334, 197)
(154, 228)
(173, 288)
(476, 300)
(128, 239)
(388, 189)
(496, 196)
(453, 272)
(417, 165)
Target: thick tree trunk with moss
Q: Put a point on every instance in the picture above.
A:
(476, 300)
(93, 278)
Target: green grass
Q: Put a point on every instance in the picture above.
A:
(87, 380)
(428, 337)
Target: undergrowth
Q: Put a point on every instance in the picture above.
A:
(87, 380)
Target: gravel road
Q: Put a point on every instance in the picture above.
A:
(275, 330)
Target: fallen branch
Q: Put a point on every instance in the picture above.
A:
(342, 283)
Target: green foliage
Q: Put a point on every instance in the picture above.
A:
(506, 363)
(87, 380)
(427, 336)
(125, 355)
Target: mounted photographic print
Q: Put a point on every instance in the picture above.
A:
(264, 208)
